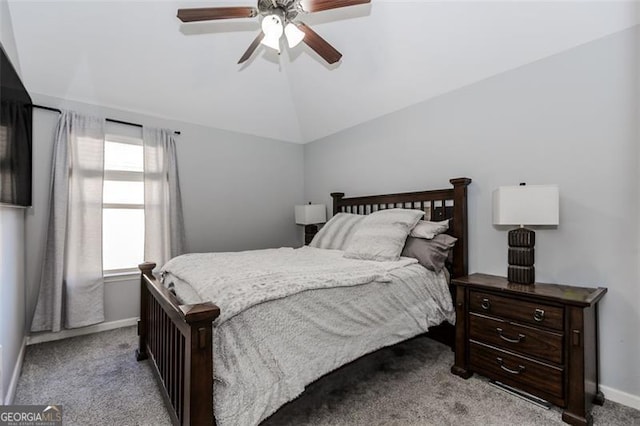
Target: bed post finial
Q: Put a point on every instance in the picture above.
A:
(337, 197)
(463, 181)
(147, 267)
(461, 249)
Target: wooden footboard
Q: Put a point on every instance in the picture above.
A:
(178, 341)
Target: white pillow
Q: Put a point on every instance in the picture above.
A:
(336, 233)
(382, 234)
(428, 230)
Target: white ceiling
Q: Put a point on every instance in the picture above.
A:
(137, 56)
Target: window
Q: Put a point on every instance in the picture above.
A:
(123, 205)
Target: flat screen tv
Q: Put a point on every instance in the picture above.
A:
(16, 119)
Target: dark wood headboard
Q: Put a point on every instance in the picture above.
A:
(439, 204)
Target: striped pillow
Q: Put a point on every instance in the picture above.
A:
(336, 233)
(381, 235)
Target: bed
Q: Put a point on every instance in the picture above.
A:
(184, 335)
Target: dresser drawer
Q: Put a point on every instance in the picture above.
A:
(521, 338)
(519, 310)
(531, 376)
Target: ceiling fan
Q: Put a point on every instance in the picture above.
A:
(278, 17)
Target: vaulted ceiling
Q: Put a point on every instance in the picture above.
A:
(138, 56)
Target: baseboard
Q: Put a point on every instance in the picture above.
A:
(13, 384)
(621, 397)
(65, 334)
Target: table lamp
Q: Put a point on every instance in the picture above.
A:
(524, 205)
(310, 215)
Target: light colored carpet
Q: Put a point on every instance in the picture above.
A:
(98, 381)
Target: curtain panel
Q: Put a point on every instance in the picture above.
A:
(164, 225)
(71, 287)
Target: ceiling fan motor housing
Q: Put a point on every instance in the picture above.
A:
(287, 9)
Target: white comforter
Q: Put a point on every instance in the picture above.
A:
(237, 281)
(266, 353)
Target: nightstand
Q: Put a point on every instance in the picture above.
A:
(539, 338)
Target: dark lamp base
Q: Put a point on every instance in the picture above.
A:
(310, 231)
(521, 256)
(521, 274)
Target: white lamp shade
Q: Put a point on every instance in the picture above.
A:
(272, 42)
(526, 205)
(272, 25)
(272, 29)
(294, 35)
(310, 214)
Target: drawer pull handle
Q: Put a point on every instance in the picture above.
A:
(538, 315)
(486, 304)
(507, 369)
(520, 338)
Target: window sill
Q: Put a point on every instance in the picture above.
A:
(111, 277)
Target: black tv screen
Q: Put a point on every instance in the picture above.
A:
(16, 119)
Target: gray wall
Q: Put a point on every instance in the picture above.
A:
(238, 192)
(569, 119)
(12, 264)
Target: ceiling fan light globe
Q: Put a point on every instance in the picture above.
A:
(272, 26)
(294, 35)
(272, 42)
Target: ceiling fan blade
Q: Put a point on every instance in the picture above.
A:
(320, 5)
(211, 13)
(252, 48)
(319, 44)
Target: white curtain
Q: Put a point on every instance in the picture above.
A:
(164, 226)
(71, 288)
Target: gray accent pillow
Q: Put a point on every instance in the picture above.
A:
(428, 230)
(433, 253)
(382, 234)
(336, 234)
